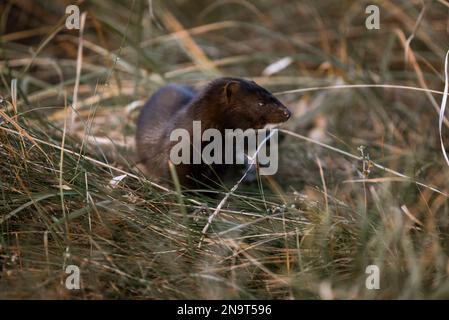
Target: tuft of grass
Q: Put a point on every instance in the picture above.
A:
(72, 193)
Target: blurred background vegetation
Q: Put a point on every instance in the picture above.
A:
(361, 179)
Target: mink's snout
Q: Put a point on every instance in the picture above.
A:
(281, 114)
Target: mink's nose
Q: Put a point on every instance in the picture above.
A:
(287, 114)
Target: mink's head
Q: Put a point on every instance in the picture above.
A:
(248, 105)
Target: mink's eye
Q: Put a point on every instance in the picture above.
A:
(261, 104)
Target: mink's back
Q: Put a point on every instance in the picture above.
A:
(155, 123)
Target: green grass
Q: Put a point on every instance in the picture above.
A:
(309, 232)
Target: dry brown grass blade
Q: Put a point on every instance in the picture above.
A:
(191, 48)
(192, 31)
(20, 35)
(410, 215)
(79, 63)
(444, 2)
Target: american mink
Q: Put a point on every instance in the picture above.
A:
(225, 103)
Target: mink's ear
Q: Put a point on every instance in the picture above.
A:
(230, 89)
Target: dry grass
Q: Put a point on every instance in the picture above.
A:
(67, 120)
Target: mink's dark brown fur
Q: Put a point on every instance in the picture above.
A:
(225, 103)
